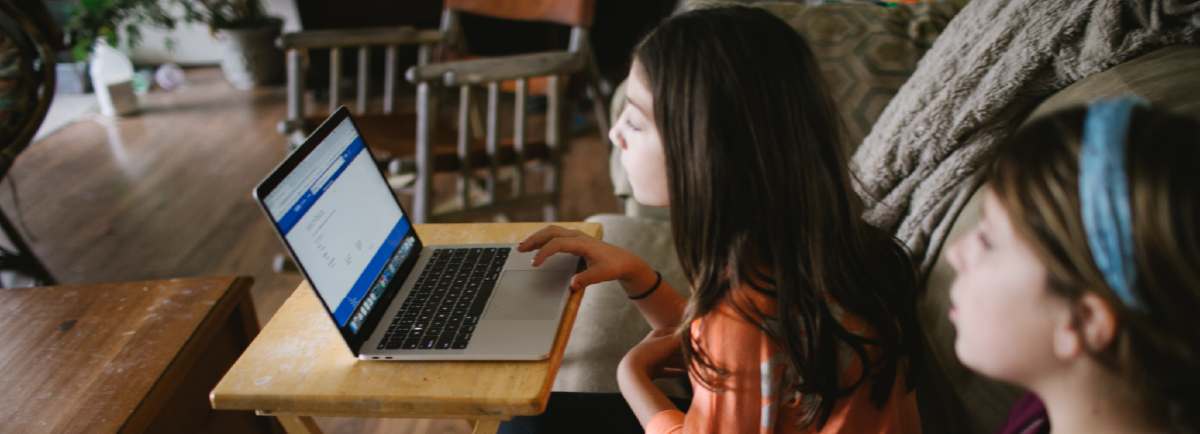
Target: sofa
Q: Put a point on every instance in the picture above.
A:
(951, 398)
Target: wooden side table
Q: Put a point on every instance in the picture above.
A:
(123, 357)
(300, 367)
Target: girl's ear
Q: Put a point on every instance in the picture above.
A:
(1090, 331)
(1097, 322)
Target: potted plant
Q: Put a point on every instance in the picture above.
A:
(93, 30)
(98, 21)
(248, 34)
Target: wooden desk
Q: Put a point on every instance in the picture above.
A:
(122, 357)
(299, 366)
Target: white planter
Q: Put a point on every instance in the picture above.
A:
(111, 73)
(250, 57)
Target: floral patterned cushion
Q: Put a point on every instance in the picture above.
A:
(866, 50)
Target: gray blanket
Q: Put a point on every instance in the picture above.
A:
(987, 71)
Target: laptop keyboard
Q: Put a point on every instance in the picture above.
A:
(445, 304)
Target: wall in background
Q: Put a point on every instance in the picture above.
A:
(195, 45)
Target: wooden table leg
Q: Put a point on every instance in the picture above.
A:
(306, 424)
(486, 426)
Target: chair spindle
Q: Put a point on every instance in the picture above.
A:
(364, 74)
(335, 77)
(519, 137)
(554, 124)
(424, 55)
(295, 72)
(464, 151)
(389, 79)
(423, 191)
(493, 159)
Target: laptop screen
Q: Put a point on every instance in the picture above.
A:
(343, 224)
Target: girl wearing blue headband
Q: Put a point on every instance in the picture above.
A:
(1082, 281)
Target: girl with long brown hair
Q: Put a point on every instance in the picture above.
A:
(801, 315)
(1082, 281)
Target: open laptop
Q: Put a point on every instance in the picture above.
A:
(392, 297)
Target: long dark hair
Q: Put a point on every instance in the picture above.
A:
(1036, 178)
(758, 180)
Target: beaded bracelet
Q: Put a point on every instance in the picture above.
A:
(651, 290)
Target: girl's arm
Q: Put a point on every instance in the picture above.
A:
(655, 357)
(663, 308)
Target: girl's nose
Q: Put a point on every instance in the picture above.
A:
(614, 135)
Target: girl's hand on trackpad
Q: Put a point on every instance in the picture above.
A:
(605, 261)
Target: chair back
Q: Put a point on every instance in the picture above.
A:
(576, 13)
(27, 67)
(35, 84)
(476, 146)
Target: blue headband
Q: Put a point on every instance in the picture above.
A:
(1104, 194)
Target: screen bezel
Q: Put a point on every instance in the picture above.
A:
(354, 340)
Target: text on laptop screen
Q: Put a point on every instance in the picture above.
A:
(343, 224)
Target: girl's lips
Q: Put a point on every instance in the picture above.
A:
(952, 314)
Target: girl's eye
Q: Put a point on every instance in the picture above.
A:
(983, 239)
(631, 125)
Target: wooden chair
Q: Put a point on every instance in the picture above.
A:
(34, 88)
(419, 144)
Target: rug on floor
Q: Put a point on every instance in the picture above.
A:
(64, 110)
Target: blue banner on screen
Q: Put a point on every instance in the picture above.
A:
(341, 220)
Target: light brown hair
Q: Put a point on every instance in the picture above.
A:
(1036, 178)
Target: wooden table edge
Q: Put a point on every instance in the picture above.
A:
(383, 416)
(302, 422)
(562, 336)
(237, 294)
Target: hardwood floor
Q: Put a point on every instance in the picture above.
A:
(166, 194)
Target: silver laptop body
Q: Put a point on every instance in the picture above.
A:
(391, 297)
(519, 322)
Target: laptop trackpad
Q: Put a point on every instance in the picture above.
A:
(529, 295)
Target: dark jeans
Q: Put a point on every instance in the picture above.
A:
(582, 413)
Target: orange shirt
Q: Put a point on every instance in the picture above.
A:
(754, 398)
